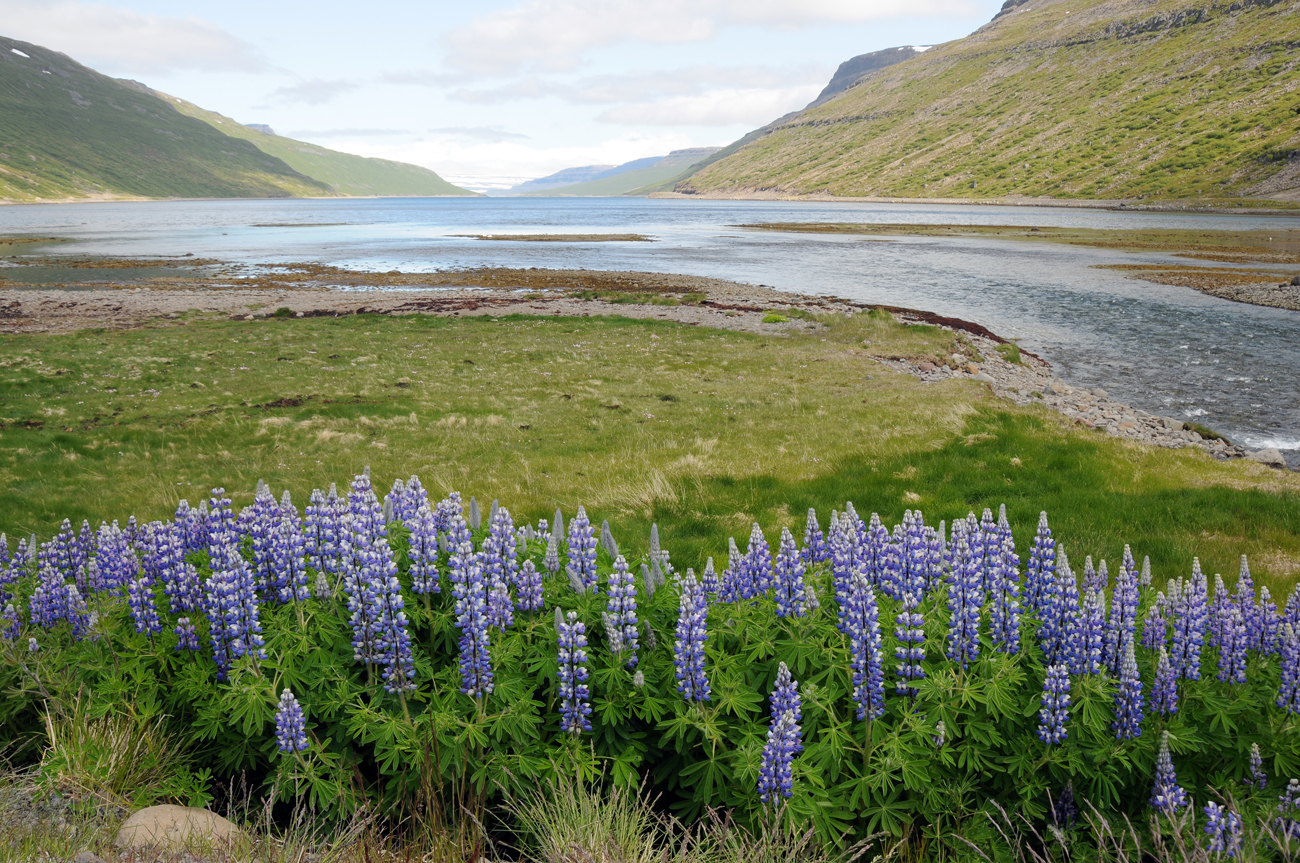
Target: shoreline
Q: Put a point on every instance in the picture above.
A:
(724, 305)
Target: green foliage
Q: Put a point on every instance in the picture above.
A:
(774, 318)
(1010, 352)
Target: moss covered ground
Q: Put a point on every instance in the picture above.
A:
(699, 430)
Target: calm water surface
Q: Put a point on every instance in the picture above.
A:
(1168, 350)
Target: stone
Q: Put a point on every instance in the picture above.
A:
(926, 367)
(1270, 457)
(1100, 393)
(1295, 280)
(174, 826)
(88, 857)
(1056, 386)
(985, 377)
(1171, 423)
(972, 368)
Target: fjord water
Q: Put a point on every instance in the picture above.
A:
(1168, 350)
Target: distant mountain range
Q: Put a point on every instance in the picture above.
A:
(1090, 99)
(68, 132)
(612, 180)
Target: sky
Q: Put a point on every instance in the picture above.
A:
(493, 92)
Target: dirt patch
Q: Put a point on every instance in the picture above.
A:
(1257, 287)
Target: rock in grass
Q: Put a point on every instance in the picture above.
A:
(88, 857)
(174, 827)
(1270, 457)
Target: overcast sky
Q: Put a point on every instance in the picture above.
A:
(492, 91)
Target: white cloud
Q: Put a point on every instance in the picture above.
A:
(552, 34)
(752, 107)
(312, 92)
(122, 41)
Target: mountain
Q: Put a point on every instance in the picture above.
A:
(344, 173)
(630, 177)
(573, 176)
(1107, 99)
(66, 131)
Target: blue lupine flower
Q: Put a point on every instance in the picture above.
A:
(501, 557)
(288, 558)
(622, 608)
(1004, 587)
(115, 561)
(775, 779)
(1041, 568)
(1122, 625)
(582, 552)
(364, 568)
(575, 694)
(144, 611)
(965, 596)
(1189, 618)
(551, 561)
(1258, 777)
(709, 582)
(862, 625)
(1233, 640)
(501, 605)
(1269, 623)
(1164, 690)
(33, 646)
(1287, 823)
(262, 519)
(423, 550)
(733, 587)
(1291, 615)
(785, 699)
(1167, 795)
(531, 596)
(193, 523)
(1091, 580)
(223, 533)
(232, 596)
(909, 633)
(469, 589)
(1155, 626)
(986, 541)
(187, 637)
(1288, 695)
(4, 551)
(49, 602)
(1087, 651)
(1055, 712)
(758, 563)
(688, 648)
(10, 625)
(78, 614)
(787, 578)
(290, 727)
(1245, 600)
(814, 541)
(393, 641)
(1224, 830)
(1064, 809)
(1128, 698)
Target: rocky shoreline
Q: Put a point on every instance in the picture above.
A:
(685, 299)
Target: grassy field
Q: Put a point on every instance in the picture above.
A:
(1108, 99)
(700, 430)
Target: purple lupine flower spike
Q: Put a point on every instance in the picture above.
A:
(1224, 830)
(1164, 690)
(733, 588)
(1244, 597)
(1128, 698)
(1269, 623)
(1190, 614)
(288, 553)
(575, 694)
(965, 595)
(1041, 568)
(144, 611)
(785, 698)
(531, 596)
(814, 541)
(788, 580)
(470, 593)
(1055, 711)
(622, 609)
(775, 777)
(1288, 695)
(1091, 634)
(10, 625)
(1155, 626)
(290, 726)
(709, 582)
(1167, 796)
(1004, 585)
(423, 550)
(862, 625)
(500, 549)
(1258, 778)
(1123, 614)
(1234, 638)
(688, 648)
(501, 614)
(1219, 610)
(187, 637)
(582, 552)
(758, 562)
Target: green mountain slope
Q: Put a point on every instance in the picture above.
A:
(67, 131)
(669, 168)
(345, 173)
(1099, 99)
